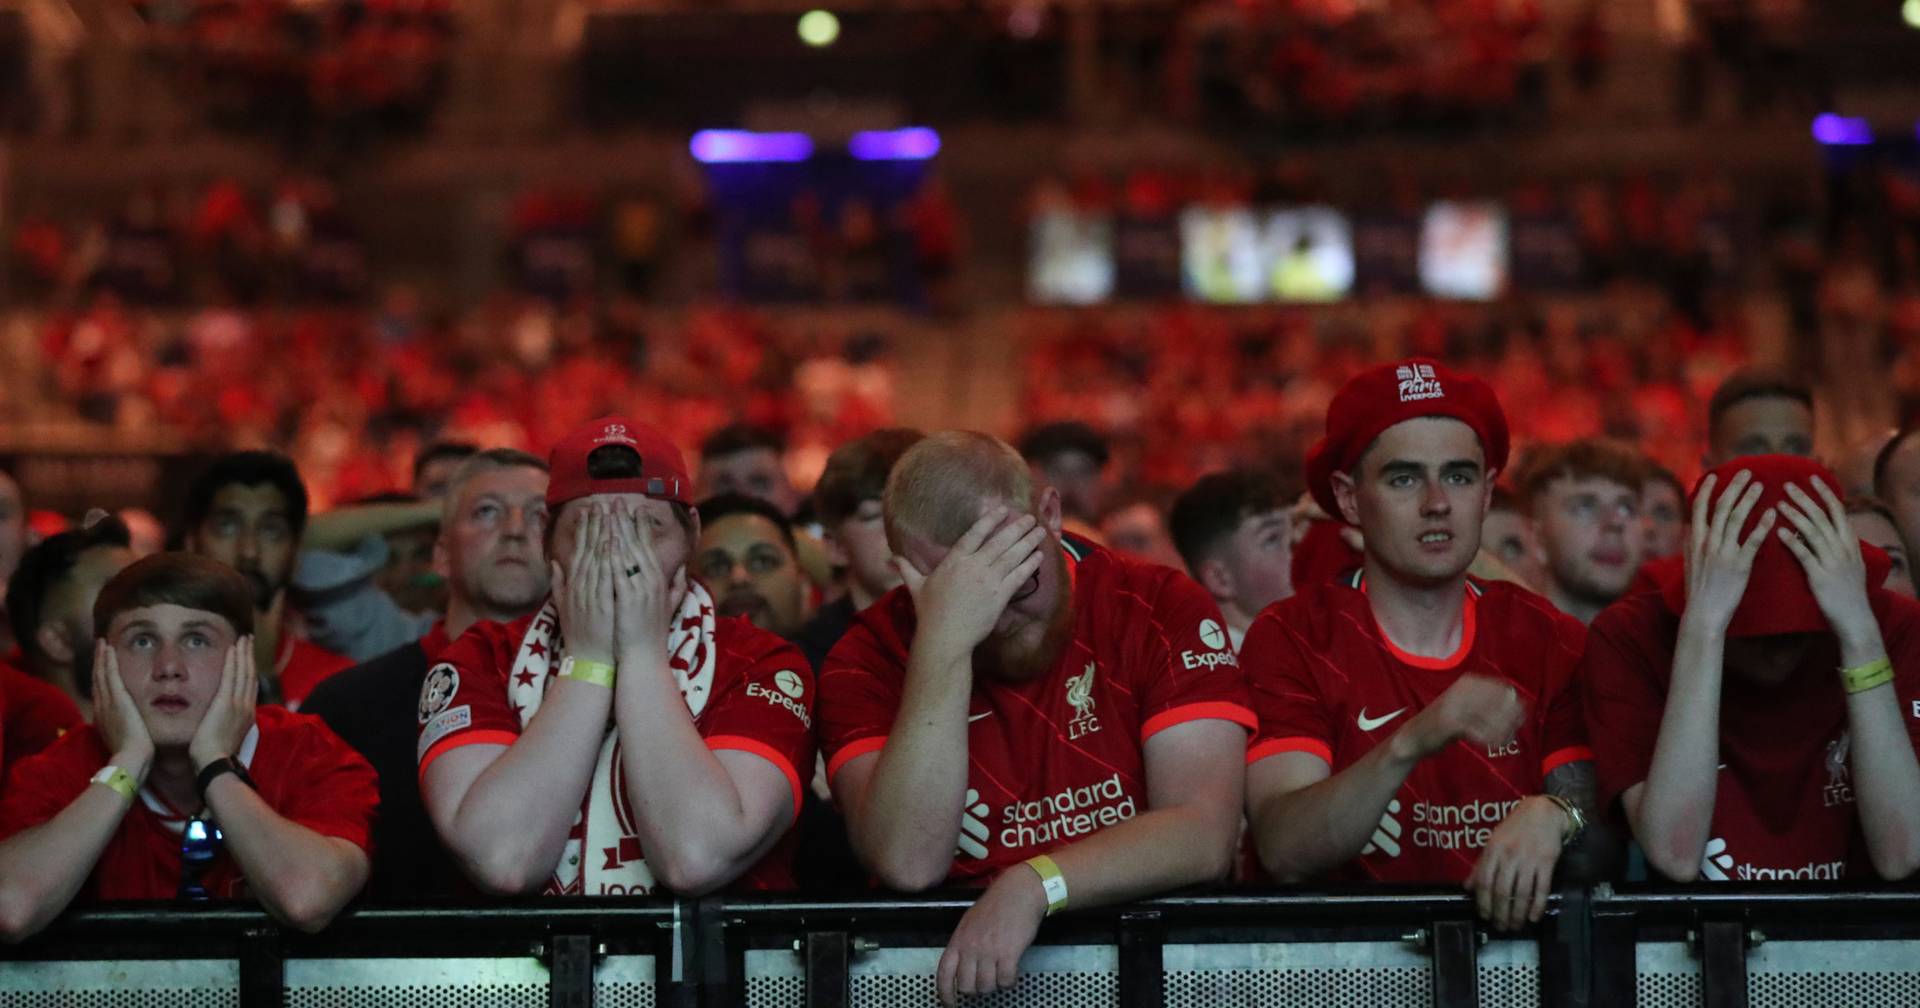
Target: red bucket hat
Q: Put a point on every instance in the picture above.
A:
(663, 471)
(1378, 398)
(1778, 598)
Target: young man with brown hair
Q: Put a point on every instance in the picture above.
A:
(1759, 412)
(182, 787)
(1582, 502)
(50, 601)
(1234, 532)
(847, 502)
(1418, 724)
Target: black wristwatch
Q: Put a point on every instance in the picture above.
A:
(224, 764)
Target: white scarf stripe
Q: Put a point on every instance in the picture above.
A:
(603, 846)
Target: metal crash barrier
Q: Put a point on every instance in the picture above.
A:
(1660, 948)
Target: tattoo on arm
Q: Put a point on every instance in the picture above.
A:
(1596, 854)
(1576, 783)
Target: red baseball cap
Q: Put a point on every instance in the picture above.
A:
(1376, 399)
(663, 471)
(1778, 598)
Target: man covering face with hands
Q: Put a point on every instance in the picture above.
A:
(181, 787)
(1756, 716)
(1029, 713)
(623, 737)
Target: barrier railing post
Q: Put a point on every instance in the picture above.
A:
(1142, 967)
(827, 954)
(263, 969)
(570, 971)
(1614, 972)
(710, 964)
(1566, 941)
(676, 986)
(1723, 964)
(1456, 964)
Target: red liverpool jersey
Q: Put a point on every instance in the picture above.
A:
(1052, 760)
(1783, 804)
(33, 713)
(1326, 681)
(758, 702)
(302, 665)
(299, 766)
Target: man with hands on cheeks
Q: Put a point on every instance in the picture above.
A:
(1756, 717)
(622, 737)
(179, 759)
(1418, 724)
(1028, 713)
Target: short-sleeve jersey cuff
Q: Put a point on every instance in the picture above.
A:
(741, 743)
(852, 750)
(1561, 757)
(1295, 743)
(446, 745)
(1221, 710)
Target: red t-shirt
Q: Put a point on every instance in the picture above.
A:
(759, 702)
(302, 665)
(33, 713)
(1323, 553)
(300, 767)
(1055, 759)
(1783, 805)
(1328, 682)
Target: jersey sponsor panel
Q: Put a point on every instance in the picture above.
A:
(1785, 807)
(1053, 760)
(1326, 681)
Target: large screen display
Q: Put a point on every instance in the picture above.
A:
(1071, 258)
(1463, 250)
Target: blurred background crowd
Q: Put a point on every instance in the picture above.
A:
(348, 228)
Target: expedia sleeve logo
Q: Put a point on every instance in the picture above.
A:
(443, 681)
(1214, 637)
(787, 690)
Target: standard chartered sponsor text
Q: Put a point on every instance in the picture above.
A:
(1067, 814)
(1458, 827)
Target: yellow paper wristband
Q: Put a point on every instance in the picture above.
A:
(1869, 676)
(597, 673)
(117, 779)
(1051, 881)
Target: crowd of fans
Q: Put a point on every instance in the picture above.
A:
(1314, 64)
(955, 662)
(1659, 289)
(224, 243)
(352, 393)
(345, 69)
(1186, 391)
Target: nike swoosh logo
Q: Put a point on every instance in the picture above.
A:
(977, 717)
(1368, 724)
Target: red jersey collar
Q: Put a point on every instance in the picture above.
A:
(1468, 619)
